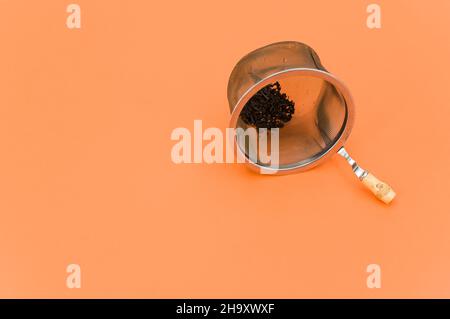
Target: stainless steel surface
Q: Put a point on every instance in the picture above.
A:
(324, 110)
(358, 170)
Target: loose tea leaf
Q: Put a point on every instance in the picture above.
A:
(268, 108)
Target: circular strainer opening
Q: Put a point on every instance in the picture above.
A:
(319, 120)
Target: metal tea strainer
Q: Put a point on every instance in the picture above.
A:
(324, 113)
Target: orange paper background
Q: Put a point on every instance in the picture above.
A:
(86, 175)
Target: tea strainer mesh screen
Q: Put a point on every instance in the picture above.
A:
(318, 121)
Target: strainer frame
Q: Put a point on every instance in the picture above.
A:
(318, 158)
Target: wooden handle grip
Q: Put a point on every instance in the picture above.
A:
(380, 189)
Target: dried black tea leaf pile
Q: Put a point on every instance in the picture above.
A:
(268, 108)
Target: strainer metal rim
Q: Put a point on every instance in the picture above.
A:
(319, 158)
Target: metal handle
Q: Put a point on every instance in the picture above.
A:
(380, 189)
